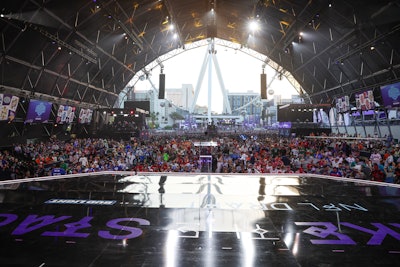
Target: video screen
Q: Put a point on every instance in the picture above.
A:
(391, 95)
(38, 111)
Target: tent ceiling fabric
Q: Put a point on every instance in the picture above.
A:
(88, 50)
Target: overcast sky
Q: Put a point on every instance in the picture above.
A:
(240, 73)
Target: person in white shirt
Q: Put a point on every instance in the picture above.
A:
(389, 160)
(350, 159)
(335, 162)
(83, 160)
(243, 157)
(375, 157)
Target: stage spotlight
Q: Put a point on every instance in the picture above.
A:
(254, 26)
(165, 21)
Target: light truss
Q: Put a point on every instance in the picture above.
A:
(64, 44)
(224, 43)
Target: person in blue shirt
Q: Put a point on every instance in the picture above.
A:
(335, 172)
(57, 170)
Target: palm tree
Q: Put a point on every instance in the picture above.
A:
(176, 116)
(153, 119)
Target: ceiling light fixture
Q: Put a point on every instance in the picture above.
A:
(254, 25)
(166, 20)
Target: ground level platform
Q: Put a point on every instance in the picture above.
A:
(126, 219)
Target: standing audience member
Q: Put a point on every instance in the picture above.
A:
(397, 174)
(375, 157)
(377, 174)
(389, 172)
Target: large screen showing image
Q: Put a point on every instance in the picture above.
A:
(85, 116)
(391, 95)
(38, 111)
(365, 100)
(285, 125)
(8, 106)
(65, 114)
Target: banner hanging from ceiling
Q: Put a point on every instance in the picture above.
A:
(8, 106)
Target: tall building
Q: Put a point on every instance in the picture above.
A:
(245, 102)
(181, 97)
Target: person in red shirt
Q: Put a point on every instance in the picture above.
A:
(377, 174)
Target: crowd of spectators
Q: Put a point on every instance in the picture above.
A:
(122, 126)
(362, 159)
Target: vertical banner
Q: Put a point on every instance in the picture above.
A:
(65, 114)
(365, 100)
(8, 106)
(85, 116)
(342, 104)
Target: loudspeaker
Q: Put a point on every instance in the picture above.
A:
(161, 87)
(263, 85)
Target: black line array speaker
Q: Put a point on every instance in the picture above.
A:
(263, 85)
(161, 88)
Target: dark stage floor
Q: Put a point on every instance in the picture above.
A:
(199, 220)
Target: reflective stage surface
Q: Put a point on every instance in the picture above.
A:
(199, 220)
